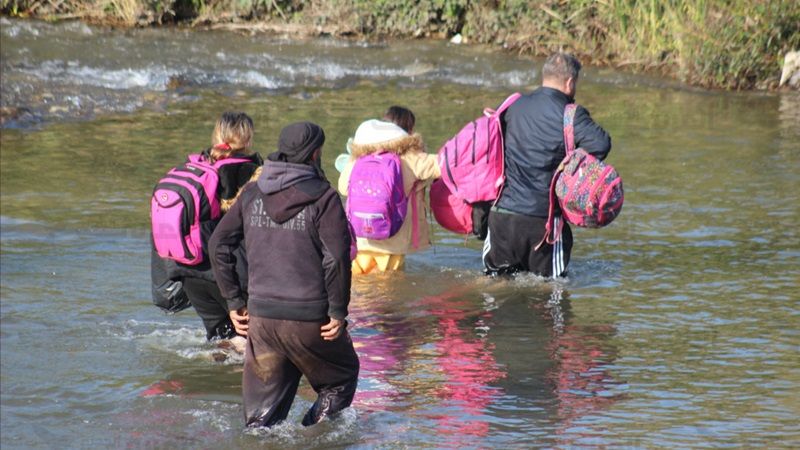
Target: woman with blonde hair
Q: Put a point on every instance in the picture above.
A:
(232, 138)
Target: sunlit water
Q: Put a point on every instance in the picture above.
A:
(679, 325)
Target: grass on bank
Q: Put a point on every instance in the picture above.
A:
(731, 44)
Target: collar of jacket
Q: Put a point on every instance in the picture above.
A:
(555, 93)
(400, 146)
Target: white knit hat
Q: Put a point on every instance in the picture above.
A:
(375, 131)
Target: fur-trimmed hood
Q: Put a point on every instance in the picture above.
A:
(400, 146)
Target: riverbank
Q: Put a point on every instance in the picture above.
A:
(736, 45)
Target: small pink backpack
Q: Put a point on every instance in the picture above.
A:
(472, 173)
(181, 201)
(376, 202)
(589, 191)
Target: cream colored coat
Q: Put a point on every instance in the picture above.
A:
(417, 165)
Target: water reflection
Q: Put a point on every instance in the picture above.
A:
(483, 359)
(466, 360)
(582, 382)
(382, 339)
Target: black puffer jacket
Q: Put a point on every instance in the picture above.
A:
(297, 240)
(534, 147)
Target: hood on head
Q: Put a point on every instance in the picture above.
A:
(277, 176)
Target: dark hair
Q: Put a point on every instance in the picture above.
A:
(561, 66)
(402, 117)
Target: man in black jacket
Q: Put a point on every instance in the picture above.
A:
(534, 147)
(297, 240)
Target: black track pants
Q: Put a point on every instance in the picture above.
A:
(278, 353)
(509, 247)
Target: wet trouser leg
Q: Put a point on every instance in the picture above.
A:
(210, 306)
(278, 352)
(269, 382)
(510, 246)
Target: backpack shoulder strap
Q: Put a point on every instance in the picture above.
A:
(202, 158)
(569, 128)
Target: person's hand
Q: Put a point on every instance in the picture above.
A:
(240, 319)
(332, 329)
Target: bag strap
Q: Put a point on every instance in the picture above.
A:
(414, 215)
(552, 235)
(569, 128)
(202, 158)
(223, 162)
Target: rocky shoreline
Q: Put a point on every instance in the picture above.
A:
(717, 46)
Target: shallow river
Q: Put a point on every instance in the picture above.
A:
(679, 325)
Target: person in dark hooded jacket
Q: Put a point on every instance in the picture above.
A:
(297, 240)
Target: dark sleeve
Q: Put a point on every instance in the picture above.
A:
(334, 232)
(590, 136)
(224, 242)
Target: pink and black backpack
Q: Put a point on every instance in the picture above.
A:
(376, 201)
(472, 173)
(588, 190)
(181, 201)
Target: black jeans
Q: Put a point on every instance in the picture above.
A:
(210, 306)
(278, 353)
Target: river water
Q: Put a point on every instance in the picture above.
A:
(679, 325)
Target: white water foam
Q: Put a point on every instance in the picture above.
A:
(185, 342)
(212, 418)
(324, 434)
(16, 28)
(254, 78)
(154, 77)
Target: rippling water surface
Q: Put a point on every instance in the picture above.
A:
(678, 325)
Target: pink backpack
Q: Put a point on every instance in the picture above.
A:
(376, 201)
(181, 201)
(472, 172)
(589, 191)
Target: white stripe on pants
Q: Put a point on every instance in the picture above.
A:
(558, 250)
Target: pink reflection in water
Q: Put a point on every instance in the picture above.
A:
(468, 365)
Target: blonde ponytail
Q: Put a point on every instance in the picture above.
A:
(233, 133)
